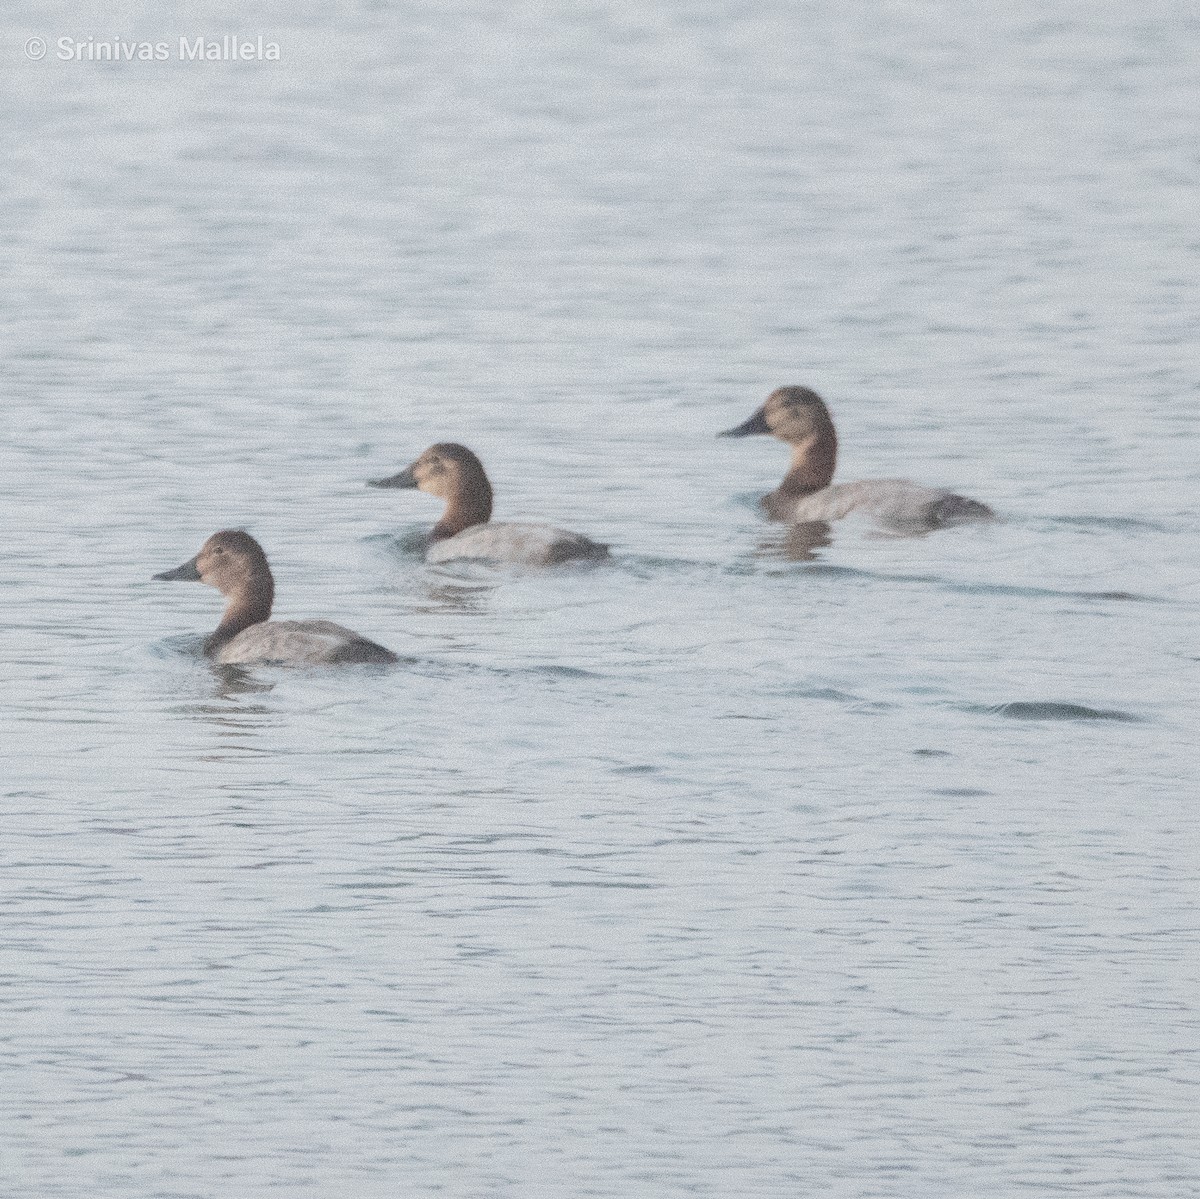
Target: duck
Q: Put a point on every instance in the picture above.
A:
(235, 564)
(453, 473)
(799, 417)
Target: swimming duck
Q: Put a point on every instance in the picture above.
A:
(799, 417)
(453, 473)
(234, 563)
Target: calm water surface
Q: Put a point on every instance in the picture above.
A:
(714, 871)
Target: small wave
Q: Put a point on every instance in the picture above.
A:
(830, 693)
(562, 672)
(449, 667)
(405, 543)
(187, 645)
(645, 565)
(747, 499)
(836, 696)
(1124, 524)
(828, 570)
(1127, 597)
(1051, 710)
(1024, 591)
(601, 884)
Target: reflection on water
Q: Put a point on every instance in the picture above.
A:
(754, 861)
(237, 680)
(798, 542)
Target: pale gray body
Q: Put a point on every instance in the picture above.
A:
(895, 503)
(516, 542)
(299, 643)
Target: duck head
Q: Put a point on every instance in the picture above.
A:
(452, 473)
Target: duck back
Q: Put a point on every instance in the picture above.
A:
(301, 643)
(516, 542)
(896, 503)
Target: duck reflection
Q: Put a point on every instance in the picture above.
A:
(797, 543)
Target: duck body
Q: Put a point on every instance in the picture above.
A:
(299, 643)
(516, 542)
(897, 503)
(799, 417)
(234, 563)
(466, 531)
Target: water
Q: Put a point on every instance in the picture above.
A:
(714, 871)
